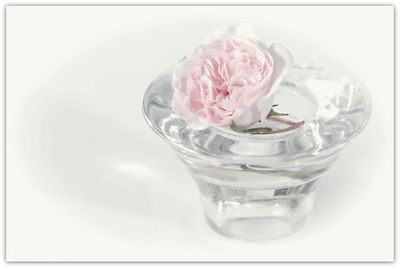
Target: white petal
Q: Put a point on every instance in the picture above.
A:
(282, 61)
(247, 117)
(266, 107)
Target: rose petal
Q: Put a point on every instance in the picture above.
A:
(230, 77)
(191, 119)
(282, 61)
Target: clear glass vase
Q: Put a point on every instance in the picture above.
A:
(262, 186)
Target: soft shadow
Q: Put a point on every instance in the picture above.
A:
(88, 147)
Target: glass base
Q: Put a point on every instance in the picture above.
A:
(274, 213)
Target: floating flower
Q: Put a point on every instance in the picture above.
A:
(230, 79)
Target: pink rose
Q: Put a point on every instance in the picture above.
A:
(230, 78)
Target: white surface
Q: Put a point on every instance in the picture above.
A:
(88, 180)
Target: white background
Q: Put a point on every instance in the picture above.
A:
(88, 180)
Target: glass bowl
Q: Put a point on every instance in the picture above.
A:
(262, 186)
